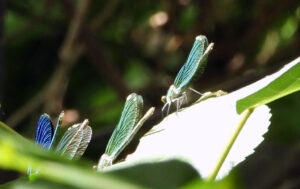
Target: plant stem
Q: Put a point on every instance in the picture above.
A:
(244, 117)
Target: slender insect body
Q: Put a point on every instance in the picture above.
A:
(58, 124)
(130, 122)
(193, 67)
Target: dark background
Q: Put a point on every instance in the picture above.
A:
(85, 57)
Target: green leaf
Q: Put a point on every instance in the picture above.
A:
(23, 183)
(283, 82)
(14, 155)
(229, 182)
(166, 174)
(6, 130)
(17, 153)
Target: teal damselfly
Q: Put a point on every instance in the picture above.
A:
(192, 69)
(130, 122)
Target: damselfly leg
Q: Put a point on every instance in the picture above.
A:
(168, 109)
(195, 91)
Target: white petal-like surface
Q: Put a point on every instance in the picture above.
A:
(198, 134)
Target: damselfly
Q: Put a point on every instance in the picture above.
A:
(72, 144)
(75, 140)
(45, 134)
(130, 122)
(193, 67)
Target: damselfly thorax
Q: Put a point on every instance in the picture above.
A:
(173, 95)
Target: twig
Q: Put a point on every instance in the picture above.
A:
(103, 15)
(52, 94)
(105, 68)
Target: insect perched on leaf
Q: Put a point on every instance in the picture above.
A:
(45, 134)
(193, 67)
(72, 144)
(75, 140)
(130, 122)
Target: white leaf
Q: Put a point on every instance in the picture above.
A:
(199, 133)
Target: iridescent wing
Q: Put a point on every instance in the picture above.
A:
(129, 118)
(71, 140)
(45, 135)
(44, 132)
(195, 63)
(85, 140)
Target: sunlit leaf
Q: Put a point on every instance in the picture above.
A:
(199, 134)
(275, 86)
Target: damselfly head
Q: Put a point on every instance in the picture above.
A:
(163, 99)
(104, 161)
(172, 93)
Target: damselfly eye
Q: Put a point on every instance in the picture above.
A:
(163, 99)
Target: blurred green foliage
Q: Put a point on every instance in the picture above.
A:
(285, 114)
(256, 35)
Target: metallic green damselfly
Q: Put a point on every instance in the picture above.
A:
(130, 122)
(192, 69)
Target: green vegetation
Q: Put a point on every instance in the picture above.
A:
(85, 57)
